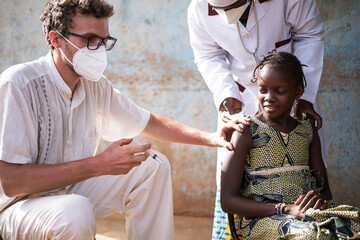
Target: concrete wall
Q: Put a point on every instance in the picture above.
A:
(339, 94)
(152, 64)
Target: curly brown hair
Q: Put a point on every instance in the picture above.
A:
(58, 14)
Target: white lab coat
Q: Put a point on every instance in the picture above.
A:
(222, 60)
(293, 26)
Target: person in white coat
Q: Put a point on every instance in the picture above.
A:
(229, 37)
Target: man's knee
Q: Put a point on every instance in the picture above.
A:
(75, 218)
(159, 158)
(51, 217)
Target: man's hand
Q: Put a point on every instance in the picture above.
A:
(230, 105)
(306, 107)
(119, 158)
(221, 137)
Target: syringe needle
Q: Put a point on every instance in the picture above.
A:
(152, 154)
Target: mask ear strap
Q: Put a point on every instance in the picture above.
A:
(67, 59)
(67, 40)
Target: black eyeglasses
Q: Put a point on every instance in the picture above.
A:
(94, 43)
(236, 4)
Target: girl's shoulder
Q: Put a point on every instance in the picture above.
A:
(304, 124)
(242, 138)
(257, 125)
(304, 128)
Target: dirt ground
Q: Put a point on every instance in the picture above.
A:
(186, 228)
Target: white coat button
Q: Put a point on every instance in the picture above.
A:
(69, 138)
(247, 36)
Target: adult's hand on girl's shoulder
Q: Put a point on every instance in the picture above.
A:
(237, 119)
(307, 108)
(312, 199)
(222, 137)
(228, 108)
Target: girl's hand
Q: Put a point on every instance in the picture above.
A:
(312, 199)
(292, 209)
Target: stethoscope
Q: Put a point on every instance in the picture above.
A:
(257, 36)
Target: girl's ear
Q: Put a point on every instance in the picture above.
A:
(299, 92)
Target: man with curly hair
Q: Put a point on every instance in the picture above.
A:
(53, 113)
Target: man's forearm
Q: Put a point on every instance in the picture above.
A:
(22, 179)
(165, 129)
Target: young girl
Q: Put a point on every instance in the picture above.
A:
(275, 181)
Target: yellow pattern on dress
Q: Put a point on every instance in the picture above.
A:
(272, 149)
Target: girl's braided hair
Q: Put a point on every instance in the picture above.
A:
(286, 62)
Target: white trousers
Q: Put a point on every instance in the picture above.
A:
(144, 195)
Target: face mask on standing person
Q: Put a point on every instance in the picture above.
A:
(229, 10)
(90, 64)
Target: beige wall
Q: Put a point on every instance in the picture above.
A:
(152, 64)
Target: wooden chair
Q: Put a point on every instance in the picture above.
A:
(232, 227)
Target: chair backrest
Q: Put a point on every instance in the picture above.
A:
(232, 226)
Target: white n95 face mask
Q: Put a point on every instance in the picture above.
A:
(90, 64)
(233, 15)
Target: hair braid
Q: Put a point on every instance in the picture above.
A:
(285, 61)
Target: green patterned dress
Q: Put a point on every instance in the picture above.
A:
(277, 171)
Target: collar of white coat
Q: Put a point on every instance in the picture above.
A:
(251, 19)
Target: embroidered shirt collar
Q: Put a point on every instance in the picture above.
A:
(56, 78)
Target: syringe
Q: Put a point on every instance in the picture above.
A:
(152, 154)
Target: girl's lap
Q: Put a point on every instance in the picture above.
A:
(337, 222)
